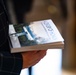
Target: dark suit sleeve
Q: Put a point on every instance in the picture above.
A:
(10, 64)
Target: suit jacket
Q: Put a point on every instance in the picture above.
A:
(10, 64)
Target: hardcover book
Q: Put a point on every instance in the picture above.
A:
(38, 35)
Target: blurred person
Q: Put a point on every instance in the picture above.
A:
(13, 63)
(21, 8)
(63, 6)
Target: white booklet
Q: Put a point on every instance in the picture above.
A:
(38, 35)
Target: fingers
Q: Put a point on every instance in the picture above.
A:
(37, 57)
(30, 58)
(42, 53)
(30, 52)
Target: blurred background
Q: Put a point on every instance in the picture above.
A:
(63, 14)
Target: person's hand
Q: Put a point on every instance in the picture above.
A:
(30, 58)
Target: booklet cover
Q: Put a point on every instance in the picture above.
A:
(38, 35)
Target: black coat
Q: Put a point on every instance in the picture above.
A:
(10, 64)
(3, 27)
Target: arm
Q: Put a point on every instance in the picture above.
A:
(13, 63)
(10, 63)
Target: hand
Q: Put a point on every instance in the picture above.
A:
(30, 58)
